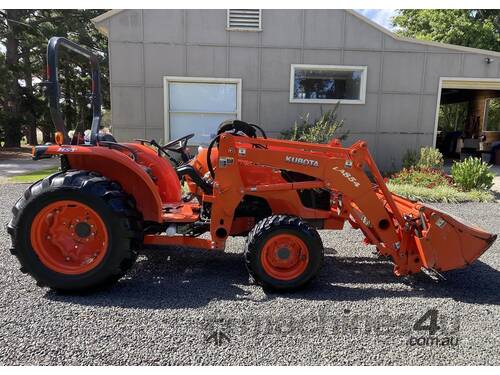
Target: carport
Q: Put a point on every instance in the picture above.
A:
(468, 118)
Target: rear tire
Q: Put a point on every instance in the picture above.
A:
(283, 253)
(36, 216)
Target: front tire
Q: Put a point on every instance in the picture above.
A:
(283, 253)
(75, 231)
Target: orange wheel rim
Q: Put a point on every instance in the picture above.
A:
(69, 237)
(284, 257)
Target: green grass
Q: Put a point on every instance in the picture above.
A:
(33, 176)
(443, 194)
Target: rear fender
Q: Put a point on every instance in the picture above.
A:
(116, 166)
(165, 175)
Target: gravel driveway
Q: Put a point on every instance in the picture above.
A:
(195, 307)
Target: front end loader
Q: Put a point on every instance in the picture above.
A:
(82, 227)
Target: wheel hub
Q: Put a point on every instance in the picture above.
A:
(83, 230)
(283, 253)
(69, 237)
(285, 257)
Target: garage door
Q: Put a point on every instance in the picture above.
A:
(199, 106)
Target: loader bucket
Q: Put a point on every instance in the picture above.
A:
(447, 243)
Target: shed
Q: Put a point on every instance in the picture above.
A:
(174, 72)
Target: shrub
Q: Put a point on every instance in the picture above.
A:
(430, 158)
(428, 178)
(472, 173)
(322, 130)
(410, 159)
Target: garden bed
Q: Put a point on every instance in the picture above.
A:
(442, 194)
(423, 179)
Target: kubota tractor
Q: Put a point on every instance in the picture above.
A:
(82, 227)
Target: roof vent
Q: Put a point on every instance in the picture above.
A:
(244, 19)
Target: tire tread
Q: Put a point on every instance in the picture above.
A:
(91, 183)
(268, 225)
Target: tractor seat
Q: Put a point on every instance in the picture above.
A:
(188, 170)
(106, 137)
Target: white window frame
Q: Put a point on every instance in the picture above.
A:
(171, 79)
(362, 93)
(485, 116)
(229, 28)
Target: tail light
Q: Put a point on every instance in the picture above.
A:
(59, 138)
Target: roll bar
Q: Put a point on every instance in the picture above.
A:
(54, 92)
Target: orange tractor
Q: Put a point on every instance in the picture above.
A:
(82, 227)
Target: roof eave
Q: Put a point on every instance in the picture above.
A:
(98, 23)
(422, 42)
(99, 20)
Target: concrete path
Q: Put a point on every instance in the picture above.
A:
(496, 181)
(15, 167)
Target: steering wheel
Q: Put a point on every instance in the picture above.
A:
(235, 127)
(179, 145)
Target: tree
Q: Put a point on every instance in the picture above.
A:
(477, 28)
(452, 117)
(11, 118)
(3, 98)
(24, 35)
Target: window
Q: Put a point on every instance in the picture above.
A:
(492, 120)
(199, 105)
(244, 19)
(327, 84)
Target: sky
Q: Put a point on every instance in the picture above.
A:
(380, 16)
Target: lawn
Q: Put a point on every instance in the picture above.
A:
(33, 176)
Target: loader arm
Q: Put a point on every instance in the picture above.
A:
(404, 230)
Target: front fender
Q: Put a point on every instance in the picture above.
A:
(116, 166)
